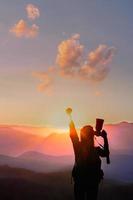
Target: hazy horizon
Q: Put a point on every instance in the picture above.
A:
(15, 140)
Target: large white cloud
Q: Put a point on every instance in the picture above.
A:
(32, 11)
(21, 29)
(72, 62)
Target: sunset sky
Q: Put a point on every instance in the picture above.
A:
(60, 53)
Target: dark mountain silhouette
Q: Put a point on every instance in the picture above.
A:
(24, 184)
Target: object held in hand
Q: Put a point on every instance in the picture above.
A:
(69, 111)
(99, 126)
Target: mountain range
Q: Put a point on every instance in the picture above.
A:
(15, 141)
(120, 169)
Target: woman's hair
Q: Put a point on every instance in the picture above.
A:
(87, 134)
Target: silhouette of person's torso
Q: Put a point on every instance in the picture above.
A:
(87, 168)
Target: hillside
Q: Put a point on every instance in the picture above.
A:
(24, 184)
(38, 162)
(120, 169)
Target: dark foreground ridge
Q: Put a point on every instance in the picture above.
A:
(22, 184)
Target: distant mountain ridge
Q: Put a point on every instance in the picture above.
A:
(17, 141)
(37, 161)
(120, 169)
(120, 140)
(13, 142)
(34, 155)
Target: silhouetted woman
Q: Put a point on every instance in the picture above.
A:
(87, 171)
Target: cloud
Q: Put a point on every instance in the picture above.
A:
(21, 29)
(70, 59)
(32, 11)
(102, 55)
(96, 66)
(46, 80)
(72, 63)
(69, 55)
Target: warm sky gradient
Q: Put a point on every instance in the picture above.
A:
(30, 34)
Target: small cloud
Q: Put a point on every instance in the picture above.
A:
(46, 80)
(32, 11)
(21, 29)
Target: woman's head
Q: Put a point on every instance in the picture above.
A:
(87, 135)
